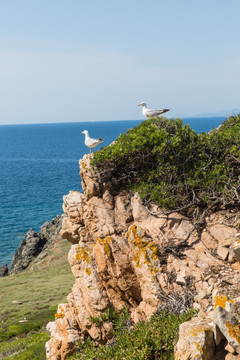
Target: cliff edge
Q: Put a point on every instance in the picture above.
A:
(126, 255)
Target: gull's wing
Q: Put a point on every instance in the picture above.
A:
(93, 142)
(152, 113)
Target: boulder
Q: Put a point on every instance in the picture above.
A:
(229, 326)
(196, 341)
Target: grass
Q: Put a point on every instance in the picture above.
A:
(38, 289)
(26, 348)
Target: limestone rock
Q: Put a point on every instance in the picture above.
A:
(228, 325)
(235, 250)
(222, 252)
(229, 348)
(223, 234)
(196, 341)
(91, 182)
(232, 357)
(65, 334)
(226, 293)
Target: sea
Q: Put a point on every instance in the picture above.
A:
(39, 164)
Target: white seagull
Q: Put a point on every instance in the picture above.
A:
(89, 142)
(149, 113)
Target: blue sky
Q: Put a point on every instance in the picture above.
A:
(64, 61)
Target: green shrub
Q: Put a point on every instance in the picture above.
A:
(111, 315)
(169, 163)
(153, 339)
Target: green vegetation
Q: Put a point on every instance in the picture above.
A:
(30, 347)
(118, 318)
(38, 291)
(153, 339)
(169, 163)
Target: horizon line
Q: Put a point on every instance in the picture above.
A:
(92, 121)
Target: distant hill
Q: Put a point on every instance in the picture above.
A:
(228, 112)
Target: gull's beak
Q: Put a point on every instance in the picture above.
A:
(82, 132)
(139, 104)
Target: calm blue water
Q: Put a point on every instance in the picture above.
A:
(39, 164)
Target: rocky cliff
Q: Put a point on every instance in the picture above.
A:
(126, 255)
(33, 247)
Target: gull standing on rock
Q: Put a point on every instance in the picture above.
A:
(89, 142)
(149, 113)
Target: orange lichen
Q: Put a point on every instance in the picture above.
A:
(198, 347)
(88, 271)
(195, 331)
(82, 253)
(105, 243)
(146, 249)
(84, 166)
(135, 235)
(236, 244)
(154, 250)
(221, 301)
(233, 330)
(60, 313)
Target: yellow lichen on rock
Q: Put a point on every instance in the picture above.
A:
(199, 348)
(88, 271)
(105, 243)
(146, 249)
(196, 341)
(234, 330)
(135, 235)
(82, 253)
(195, 331)
(222, 300)
(83, 166)
(60, 313)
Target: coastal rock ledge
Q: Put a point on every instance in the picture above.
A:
(126, 255)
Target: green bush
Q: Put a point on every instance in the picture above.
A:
(169, 163)
(112, 315)
(153, 339)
